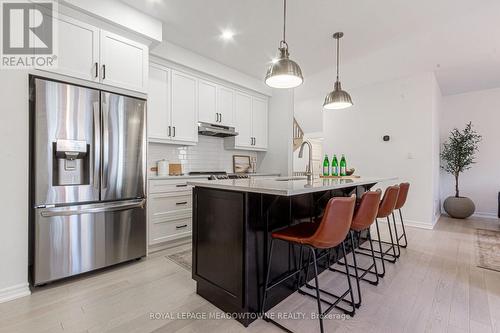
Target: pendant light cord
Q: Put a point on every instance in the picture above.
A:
(338, 57)
(283, 41)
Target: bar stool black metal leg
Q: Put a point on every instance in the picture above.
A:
(373, 256)
(380, 248)
(358, 303)
(301, 256)
(404, 231)
(318, 297)
(396, 233)
(268, 273)
(392, 238)
(349, 280)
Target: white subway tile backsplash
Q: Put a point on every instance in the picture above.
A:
(208, 155)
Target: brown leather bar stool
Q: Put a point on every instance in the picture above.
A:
(329, 233)
(364, 216)
(402, 195)
(385, 209)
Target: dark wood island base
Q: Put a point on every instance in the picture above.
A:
(231, 237)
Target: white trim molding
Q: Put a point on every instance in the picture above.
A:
(412, 223)
(17, 291)
(485, 215)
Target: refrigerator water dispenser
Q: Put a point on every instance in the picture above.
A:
(70, 163)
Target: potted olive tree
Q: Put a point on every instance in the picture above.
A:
(458, 155)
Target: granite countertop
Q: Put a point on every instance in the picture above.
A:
(283, 187)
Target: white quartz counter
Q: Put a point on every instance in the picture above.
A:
(279, 186)
(258, 174)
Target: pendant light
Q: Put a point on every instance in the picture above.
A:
(284, 73)
(338, 98)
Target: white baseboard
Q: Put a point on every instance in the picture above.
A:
(485, 215)
(420, 224)
(11, 293)
(413, 223)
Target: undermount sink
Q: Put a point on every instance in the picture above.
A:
(285, 179)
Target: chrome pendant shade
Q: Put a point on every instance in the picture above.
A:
(338, 98)
(284, 73)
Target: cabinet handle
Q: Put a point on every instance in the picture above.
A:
(96, 70)
(181, 185)
(181, 203)
(254, 141)
(103, 72)
(174, 131)
(169, 130)
(181, 226)
(220, 121)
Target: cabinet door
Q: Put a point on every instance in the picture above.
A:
(124, 63)
(225, 105)
(243, 119)
(184, 107)
(207, 95)
(78, 49)
(158, 103)
(259, 122)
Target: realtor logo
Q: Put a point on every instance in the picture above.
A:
(27, 34)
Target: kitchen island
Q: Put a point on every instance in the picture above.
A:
(232, 225)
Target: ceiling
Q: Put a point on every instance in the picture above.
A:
(458, 39)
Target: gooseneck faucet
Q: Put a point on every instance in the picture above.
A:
(309, 172)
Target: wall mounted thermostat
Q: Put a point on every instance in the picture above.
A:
(386, 138)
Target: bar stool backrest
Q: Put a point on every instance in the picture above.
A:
(388, 202)
(335, 223)
(367, 210)
(403, 194)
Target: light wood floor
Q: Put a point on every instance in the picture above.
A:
(435, 287)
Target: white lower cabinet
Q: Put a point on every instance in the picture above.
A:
(170, 205)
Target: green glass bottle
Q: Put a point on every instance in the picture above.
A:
(326, 166)
(343, 166)
(335, 166)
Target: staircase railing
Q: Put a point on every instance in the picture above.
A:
(298, 135)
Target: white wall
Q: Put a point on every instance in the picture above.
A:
(14, 180)
(482, 182)
(180, 55)
(406, 110)
(278, 158)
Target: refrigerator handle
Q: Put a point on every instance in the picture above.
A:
(111, 207)
(97, 144)
(105, 145)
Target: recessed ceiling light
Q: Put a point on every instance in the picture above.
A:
(227, 34)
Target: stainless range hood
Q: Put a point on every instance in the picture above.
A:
(216, 130)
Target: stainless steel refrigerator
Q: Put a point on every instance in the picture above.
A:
(87, 181)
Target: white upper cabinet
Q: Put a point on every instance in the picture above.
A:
(159, 103)
(207, 102)
(259, 122)
(172, 106)
(225, 105)
(184, 107)
(124, 63)
(88, 53)
(250, 119)
(177, 101)
(243, 120)
(78, 49)
(215, 103)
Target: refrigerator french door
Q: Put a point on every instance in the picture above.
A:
(88, 165)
